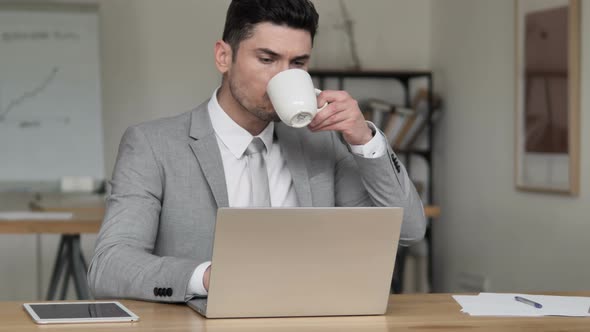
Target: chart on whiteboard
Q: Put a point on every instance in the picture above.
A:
(31, 96)
(50, 100)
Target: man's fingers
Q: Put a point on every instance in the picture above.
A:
(334, 122)
(348, 107)
(331, 96)
(324, 114)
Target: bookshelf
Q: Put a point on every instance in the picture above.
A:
(405, 79)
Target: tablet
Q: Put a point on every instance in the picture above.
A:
(79, 312)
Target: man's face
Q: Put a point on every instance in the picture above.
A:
(270, 50)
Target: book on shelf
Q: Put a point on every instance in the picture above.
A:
(420, 121)
(403, 131)
(379, 105)
(376, 110)
(385, 115)
(397, 121)
(402, 126)
(420, 124)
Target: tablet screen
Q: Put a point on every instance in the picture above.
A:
(79, 310)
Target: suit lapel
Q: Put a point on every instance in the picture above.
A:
(293, 154)
(206, 150)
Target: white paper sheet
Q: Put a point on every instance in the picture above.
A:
(494, 304)
(27, 215)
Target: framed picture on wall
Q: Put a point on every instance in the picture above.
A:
(547, 96)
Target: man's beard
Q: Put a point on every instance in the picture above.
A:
(258, 111)
(263, 115)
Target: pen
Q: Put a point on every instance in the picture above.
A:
(529, 302)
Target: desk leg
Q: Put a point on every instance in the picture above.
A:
(69, 262)
(58, 267)
(65, 283)
(397, 283)
(84, 264)
(79, 272)
(430, 266)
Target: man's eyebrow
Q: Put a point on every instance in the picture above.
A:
(276, 55)
(268, 51)
(302, 58)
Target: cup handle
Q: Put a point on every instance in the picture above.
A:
(317, 93)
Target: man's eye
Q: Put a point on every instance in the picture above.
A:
(299, 63)
(265, 60)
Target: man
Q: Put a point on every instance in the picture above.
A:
(173, 174)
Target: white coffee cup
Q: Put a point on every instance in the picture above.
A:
(294, 98)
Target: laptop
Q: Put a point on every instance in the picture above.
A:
(292, 262)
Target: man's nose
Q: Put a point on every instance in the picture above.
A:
(281, 68)
(287, 65)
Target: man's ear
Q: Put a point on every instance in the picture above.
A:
(223, 56)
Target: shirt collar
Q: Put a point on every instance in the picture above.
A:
(234, 137)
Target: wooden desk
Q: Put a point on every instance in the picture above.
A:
(421, 312)
(432, 211)
(82, 204)
(79, 224)
(95, 205)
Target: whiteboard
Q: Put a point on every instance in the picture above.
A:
(50, 97)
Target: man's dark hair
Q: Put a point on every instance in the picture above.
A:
(243, 15)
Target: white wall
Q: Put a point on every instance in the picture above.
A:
(157, 56)
(157, 61)
(390, 34)
(520, 241)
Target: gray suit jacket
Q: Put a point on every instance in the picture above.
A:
(169, 181)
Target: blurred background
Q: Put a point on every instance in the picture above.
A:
(145, 59)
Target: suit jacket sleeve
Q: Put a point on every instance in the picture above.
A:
(379, 181)
(123, 265)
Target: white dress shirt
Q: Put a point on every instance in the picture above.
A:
(233, 141)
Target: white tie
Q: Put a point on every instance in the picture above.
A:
(258, 175)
